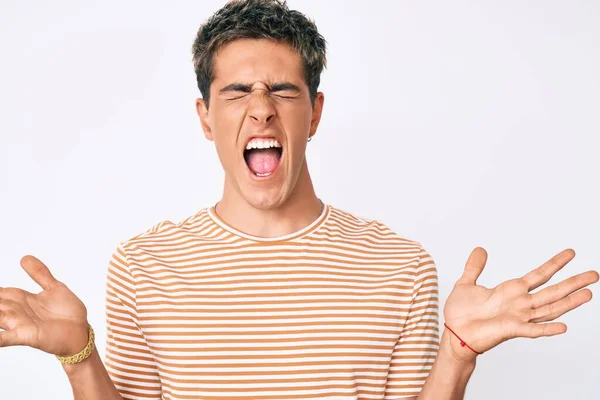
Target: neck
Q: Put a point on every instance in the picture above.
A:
(300, 209)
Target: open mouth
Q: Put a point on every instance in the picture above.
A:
(263, 156)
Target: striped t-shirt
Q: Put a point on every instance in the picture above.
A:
(342, 309)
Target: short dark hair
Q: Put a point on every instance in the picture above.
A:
(259, 19)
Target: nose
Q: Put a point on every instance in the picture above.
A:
(261, 110)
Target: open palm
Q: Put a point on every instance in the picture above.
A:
(486, 317)
(54, 321)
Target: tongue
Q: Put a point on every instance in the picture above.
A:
(263, 161)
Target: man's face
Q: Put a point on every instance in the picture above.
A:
(260, 117)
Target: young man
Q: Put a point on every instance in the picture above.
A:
(272, 294)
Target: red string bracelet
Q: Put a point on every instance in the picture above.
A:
(462, 342)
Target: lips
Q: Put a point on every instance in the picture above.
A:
(263, 155)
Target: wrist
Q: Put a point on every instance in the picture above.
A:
(450, 373)
(455, 354)
(82, 369)
(79, 360)
(74, 370)
(78, 339)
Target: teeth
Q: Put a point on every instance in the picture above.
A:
(258, 143)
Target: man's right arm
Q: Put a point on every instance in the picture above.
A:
(54, 321)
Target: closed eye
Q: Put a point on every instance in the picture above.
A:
(285, 90)
(282, 90)
(281, 96)
(237, 96)
(235, 91)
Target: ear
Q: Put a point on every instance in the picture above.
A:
(202, 112)
(316, 113)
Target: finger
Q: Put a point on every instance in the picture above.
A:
(38, 272)
(14, 294)
(531, 330)
(562, 289)
(9, 312)
(474, 266)
(8, 338)
(554, 310)
(541, 275)
(6, 305)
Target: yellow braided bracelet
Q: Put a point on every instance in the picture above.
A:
(83, 354)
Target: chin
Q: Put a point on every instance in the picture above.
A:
(264, 199)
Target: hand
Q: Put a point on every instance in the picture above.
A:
(54, 321)
(484, 317)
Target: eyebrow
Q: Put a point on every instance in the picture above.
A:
(246, 88)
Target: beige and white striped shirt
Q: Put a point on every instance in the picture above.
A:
(343, 309)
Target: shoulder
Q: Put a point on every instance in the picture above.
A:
(348, 222)
(166, 232)
(378, 238)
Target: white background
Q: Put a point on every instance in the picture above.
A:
(458, 125)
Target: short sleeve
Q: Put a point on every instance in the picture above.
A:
(418, 344)
(129, 362)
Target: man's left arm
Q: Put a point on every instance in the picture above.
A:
(481, 318)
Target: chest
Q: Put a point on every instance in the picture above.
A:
(293, 323)
(232, 309)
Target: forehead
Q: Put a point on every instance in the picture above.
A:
(250, 60)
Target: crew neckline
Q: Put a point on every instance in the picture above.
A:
(316, 224)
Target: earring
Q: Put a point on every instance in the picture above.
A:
(309, 138)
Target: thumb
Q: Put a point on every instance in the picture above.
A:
(38, 272)
(474, 266)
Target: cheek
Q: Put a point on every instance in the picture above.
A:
(226, 123)
(296, 122)
(298, 142)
